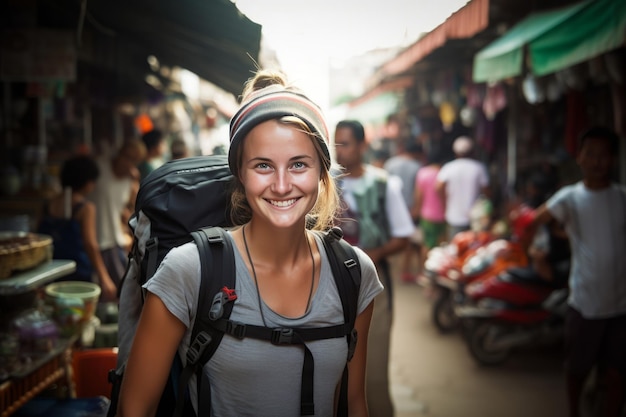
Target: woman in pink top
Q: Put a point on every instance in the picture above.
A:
(429, 206)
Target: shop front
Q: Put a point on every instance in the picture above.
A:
(76, 75)
(523, 81)
(567, 65)
(81, 77)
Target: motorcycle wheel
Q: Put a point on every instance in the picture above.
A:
(479, 340)
(444, 317)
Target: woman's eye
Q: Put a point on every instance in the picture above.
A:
(262, 165)
(299, 165)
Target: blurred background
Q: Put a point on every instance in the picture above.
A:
(523, 78)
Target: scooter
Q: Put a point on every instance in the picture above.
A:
(514, 308)
(482, 262)
(450, 256)
(442, 269)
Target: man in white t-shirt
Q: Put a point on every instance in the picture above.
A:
(593, 212)
(114, 196)
(460, 183)
(378, 221)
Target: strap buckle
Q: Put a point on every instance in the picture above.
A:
(213, 239)
(336, 233)
(152, 243)
(219, 300)
(197, 347)
(282, 336)
(236, 329)
(350, 263)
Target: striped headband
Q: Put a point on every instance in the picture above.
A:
(274, 105)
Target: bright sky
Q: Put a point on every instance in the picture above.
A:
(308, 34)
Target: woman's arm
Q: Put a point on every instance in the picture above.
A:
(156, 341)
(87, 219)
(357, 403)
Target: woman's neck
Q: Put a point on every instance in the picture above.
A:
(271, 242)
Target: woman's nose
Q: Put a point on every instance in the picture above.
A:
(282, 182)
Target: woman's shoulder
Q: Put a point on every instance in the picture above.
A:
(362, 258)
(180, 261)
(181, 258)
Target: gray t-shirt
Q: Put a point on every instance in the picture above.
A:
(252, 377)
(595, 221)
(406, 169)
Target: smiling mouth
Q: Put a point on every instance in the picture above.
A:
(282, 203)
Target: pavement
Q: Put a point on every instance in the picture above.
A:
(433, 374)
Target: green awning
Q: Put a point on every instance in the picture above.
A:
(555, 39)
(376, 110)
(598, 28)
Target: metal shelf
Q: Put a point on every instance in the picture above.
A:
(50, 368)
(36, 277)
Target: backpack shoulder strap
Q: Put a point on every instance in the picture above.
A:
(217, 265)
(347, 273)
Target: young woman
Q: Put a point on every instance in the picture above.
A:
(280, 160)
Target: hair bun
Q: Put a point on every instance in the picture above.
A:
(264, 79)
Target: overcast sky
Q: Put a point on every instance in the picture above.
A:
(308, 35)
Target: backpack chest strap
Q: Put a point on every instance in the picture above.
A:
(281, 335)
(290, 336)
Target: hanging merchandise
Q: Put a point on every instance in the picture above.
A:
(475, 95)
(437, 97)
(495, 101)
(555, 89)
(468, 116)
(532, 89)
(447, 114)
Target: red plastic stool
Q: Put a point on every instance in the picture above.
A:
(91, 369)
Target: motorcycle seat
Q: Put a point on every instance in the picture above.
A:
(525, 276)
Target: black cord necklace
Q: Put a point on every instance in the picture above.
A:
(256, 282)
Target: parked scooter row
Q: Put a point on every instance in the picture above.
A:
(488, 258)
(443, 270)
(471, 256)
(515, 308)
(501, 300)
(519, 306)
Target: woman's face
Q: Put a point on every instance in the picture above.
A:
(280, 171)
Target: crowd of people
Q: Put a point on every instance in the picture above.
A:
(405, 204)
(88, 219)
(592, 214)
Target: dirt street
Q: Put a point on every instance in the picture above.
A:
(433, 374)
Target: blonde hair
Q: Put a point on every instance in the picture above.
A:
(322, 215)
